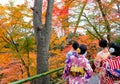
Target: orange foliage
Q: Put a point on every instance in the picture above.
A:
(11, 69)
(58, 59)
(92, 45)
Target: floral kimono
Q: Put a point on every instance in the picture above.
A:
(69, 54)
(77, 70)
(111, 71)
(102, 55)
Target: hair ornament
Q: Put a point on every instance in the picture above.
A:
(78, 50)
(111, 50)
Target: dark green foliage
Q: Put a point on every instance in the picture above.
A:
(117, 40)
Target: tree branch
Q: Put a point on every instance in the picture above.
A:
(79, 17)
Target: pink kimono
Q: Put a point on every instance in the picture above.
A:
(77, 70)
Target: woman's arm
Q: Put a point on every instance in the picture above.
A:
(88, 69)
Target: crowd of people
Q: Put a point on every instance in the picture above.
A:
(78, 69)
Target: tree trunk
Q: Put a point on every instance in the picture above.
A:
(42, 34)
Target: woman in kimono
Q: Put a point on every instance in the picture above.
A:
(111, 66)
(75, 45)
(78, 69)
(101, 55)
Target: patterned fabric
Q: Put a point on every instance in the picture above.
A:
(106, 80)
(81, 70)
(112, 70)
(69, 54)
(113, 64)
(101, 56)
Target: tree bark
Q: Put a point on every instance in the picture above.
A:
(107, 25)
(42, 34)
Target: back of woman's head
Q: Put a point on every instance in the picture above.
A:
(75, 45)
(82, 49)
(114, 49)
(103, 43)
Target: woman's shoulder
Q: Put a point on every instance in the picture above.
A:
(99, 54)
(73, 57)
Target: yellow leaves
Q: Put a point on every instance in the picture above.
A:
(5, 58)
(60, 40)
(2, 10)
(57, 60)
(31, 62)
(13, 22)
(3, 20)
(17, 14)
(53, 75)
(56, 52)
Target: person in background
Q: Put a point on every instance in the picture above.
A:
(75, 45)
(101, 55)
(78, 69)
(111, 66)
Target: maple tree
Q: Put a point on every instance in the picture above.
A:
(91, 17)
(100, 20)
(69, 16)
(16, 40)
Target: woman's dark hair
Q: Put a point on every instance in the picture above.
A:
(75, 45)
(116, 48)
(83, 49)
(103, 43)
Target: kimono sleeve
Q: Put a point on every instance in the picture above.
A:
(88, 69)
(97, 60)
(66, 70)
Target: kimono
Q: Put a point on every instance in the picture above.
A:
(111, 71)
(69, 54)
(102, 55)
(77, 70)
